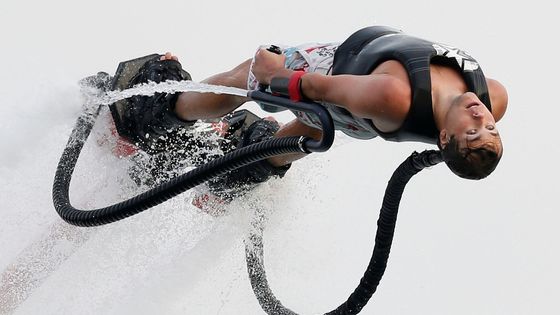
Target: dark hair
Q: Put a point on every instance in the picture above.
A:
(470, 163)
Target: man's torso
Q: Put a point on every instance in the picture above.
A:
(386, 51)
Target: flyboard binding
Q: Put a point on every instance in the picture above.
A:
(159, 159)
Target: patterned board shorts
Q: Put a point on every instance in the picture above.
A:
(318, 58)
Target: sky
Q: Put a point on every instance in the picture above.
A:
(461, 247)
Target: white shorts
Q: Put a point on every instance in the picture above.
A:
(312, 57)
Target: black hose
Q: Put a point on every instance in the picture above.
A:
(160, 194)
(320, 112)
(385, 231)
(229, 162)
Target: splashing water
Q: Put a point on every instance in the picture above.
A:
(151, 88)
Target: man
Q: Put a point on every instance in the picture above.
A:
(379, 82)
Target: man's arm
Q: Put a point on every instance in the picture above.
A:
(383, 97)
(374, 96)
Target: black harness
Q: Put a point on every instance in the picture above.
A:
(366, 49)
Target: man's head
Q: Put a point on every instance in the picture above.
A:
(469, 140)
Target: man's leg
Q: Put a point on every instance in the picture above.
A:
(193, 106)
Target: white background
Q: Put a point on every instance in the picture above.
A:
(461, 247)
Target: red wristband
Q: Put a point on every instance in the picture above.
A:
(294, 86)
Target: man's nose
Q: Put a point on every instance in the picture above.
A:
(477, 114)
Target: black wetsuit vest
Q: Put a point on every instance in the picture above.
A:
(364, 50)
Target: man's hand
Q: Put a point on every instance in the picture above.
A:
(169, 56)
(268, 65)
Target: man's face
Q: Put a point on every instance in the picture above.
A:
(471, 123)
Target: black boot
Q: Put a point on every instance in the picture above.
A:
(149, 119)
(239, 181)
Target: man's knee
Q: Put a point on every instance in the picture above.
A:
(239, 75)
(298, 128)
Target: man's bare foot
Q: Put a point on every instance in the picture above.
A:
(169, 56)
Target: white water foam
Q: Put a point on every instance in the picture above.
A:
(150, 88)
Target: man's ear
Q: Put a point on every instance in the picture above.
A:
(443, 139)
